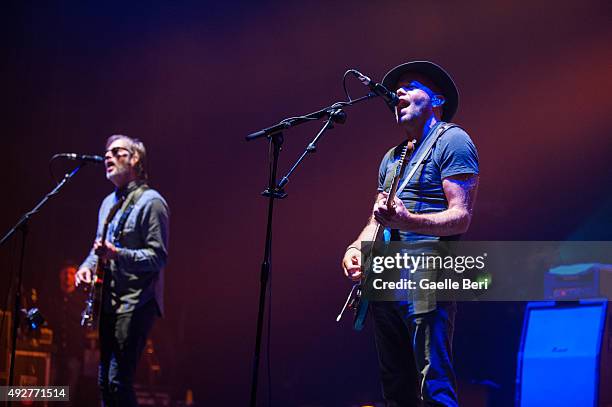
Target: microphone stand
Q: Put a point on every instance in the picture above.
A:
(22, 226)
(334, 114)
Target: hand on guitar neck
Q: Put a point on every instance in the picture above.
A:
(394, 216)
(106, 251)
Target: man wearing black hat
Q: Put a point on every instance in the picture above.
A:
(414, 338)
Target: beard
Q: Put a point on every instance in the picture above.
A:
(117, 173)
(412, 113)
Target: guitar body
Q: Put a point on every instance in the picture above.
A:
(93, 305)
(382, 234)
(361, 304)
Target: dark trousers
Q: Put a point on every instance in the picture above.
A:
(122, 340)
(415, 355)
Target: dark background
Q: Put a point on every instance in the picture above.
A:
(191, 79)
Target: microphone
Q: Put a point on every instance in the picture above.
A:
(81, 157)
(390, 97)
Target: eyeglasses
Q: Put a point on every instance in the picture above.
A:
(117, 152)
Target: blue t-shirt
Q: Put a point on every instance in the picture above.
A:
(453, 153)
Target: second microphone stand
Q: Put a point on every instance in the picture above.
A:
(22, 225)
(333, 114)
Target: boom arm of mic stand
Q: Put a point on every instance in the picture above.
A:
(338, 116)
(294, 121)
(24, 219)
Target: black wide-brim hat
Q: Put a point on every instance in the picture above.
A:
(437, 75)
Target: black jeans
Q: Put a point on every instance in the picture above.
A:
(415, 355)
(122, 340)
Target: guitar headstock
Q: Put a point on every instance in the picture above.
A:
(401, 166)
(406, 152)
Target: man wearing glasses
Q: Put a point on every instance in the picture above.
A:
(134, 251)
(414, 338)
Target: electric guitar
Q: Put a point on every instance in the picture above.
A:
(355, 300)
(91, 314)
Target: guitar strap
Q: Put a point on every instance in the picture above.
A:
(423, 152)
(111, 214)
(129, 206)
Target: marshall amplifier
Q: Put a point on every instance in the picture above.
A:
(565, 355)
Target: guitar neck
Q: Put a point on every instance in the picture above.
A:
(393, 189)
(399, 170)
(107, 222)
(100, 263)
